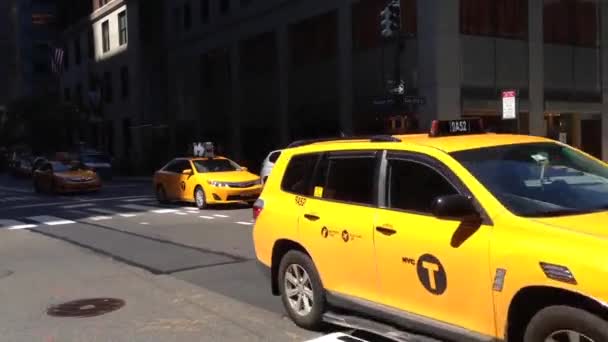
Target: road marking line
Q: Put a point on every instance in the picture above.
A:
(10, 223)
(180, 213)
(74, 206)
(207, 217)
(103, 211)
(99, 218)
(220, 215)
(164, 211)
(137, 207)
(128, 215)
(22, 226)
(139, 199)
(143, 223)
(67, 202)
(50, 220)
(245, 223)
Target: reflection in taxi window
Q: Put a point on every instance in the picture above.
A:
(540, 179)
(215, 165)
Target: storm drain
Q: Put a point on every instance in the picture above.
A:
(86, 307)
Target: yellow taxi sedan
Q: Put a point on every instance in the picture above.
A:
(65, 177)
(206, 181)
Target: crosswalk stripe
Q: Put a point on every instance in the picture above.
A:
(137, 207)
(103, 211)
(139, 199)
(22, 226)
(244, 223)
(100, 218)
(50, 220)
(128, 215)
(74, 206)
(164, 211)
(207, 217)
(13, 224)
(220, 215)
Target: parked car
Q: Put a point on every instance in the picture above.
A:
(268, 164)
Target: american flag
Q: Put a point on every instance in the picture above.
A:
(57, 60)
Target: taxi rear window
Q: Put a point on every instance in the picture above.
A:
(299, 173)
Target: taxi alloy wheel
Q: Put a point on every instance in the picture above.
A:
(199, 198)
(301, 290)
(566, 324)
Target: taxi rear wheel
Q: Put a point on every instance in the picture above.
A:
(161, 195)
(301, 290)
(564, 323)
(199, 198)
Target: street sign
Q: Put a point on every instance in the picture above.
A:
(406, 100)
(509, 104)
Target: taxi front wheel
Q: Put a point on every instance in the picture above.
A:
(564, 323)
(199, 198)
(301, 290)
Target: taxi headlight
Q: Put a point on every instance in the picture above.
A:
(218, 184)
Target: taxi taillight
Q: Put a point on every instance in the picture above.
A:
(258, 206)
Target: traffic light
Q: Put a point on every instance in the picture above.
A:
(390, 19)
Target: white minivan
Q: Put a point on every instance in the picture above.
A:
(268, 164)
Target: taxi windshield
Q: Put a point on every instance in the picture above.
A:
(540, 179)
(65, 167)
(215, 165)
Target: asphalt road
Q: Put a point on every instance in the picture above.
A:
(209, 253)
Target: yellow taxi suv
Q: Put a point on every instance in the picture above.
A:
(206, 181)
(458, 234)
(65, 177)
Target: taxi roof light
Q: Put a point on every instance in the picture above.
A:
(442, 128)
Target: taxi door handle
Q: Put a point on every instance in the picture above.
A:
(386, 231)
(311, 217)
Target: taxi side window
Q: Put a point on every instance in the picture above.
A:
(298, 175)
(178, 166)
(348, 178)
(413, 186)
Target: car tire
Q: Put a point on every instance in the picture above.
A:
(161, 195)
(305, 314)
(199, 198)
(556, 321)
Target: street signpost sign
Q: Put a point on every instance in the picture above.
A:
(509, 104)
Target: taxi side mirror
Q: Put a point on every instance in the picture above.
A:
(243, 168)
(454, 207)
(187, 172)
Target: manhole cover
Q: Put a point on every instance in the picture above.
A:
(86, 307)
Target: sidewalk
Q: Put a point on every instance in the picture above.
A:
(37, 272)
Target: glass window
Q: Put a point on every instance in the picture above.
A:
(107, 89)
(274, 156)
(105, 33)
(571, 22)
(187, 16)
(496, 18)
(298, 176)
(224, 6)
(349, 178)
(91, 44)
(414, 186)
(177, 166)
(124, 81)
(540, 179)
(215, 165)
(122, 28)
(77, 56)
(204, 11)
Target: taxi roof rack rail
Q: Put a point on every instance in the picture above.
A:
(372, 138)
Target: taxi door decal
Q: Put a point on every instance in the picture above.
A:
(432, 274)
